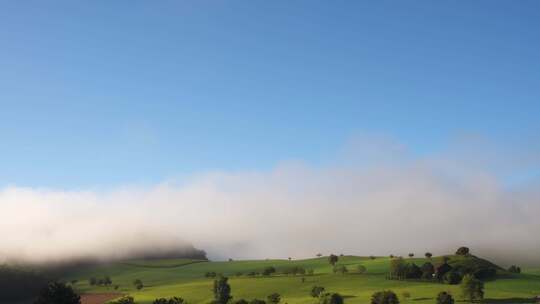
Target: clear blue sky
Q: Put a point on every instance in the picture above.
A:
(112, 92)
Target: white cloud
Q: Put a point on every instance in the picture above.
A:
(380, 207)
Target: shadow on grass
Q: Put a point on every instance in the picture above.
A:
(509, 301)
(422, 299)
(348, 296)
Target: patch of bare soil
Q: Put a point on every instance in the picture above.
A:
(98, 298)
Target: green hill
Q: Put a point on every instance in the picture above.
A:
(186, 278)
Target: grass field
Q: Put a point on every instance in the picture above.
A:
(185, 278)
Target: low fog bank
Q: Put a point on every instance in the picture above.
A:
(392, 205)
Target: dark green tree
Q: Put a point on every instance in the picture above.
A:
(452, 278)
(333, 259)
(58, 293)
(138, 284)
(268, 270)
(444, 298)
(427, 271)
(241, 301)
(384, 297)
(472, 289)
(257, 301)
(428, 255)
(316, 291)
(514, 269)
(222, 290)
(462, 251)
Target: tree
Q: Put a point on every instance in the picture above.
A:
(268, 270)
(361, 269)
(257, 301)
(441, 270)
(316, 291)
(372, 257)
(428, 255)
(342, 269)
(274, 298)
(107, 281)
(138, 284)
(124, 300)
(472, 289)
(331, 298)
(92, 281)
(222, 291)
(444, 298)
(412, 271)
(411, 255)
(384, 297)
(452, 278)
(241, 301)
(332, 259)
(58, 293)
(319, 255)
(427, 271)
(397, 268)
(514, 269)
(462, 251)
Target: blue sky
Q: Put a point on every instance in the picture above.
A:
(102, 93)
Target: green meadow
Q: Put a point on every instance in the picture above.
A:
(186, 279)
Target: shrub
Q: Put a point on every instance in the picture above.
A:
(428, 255)
(274, 298)
(384, 297)
(92, 281)
(257, 301)
(124, 300)
(210, 274)
(174, 300)
(406, 294)
(241, 301)
(444, 298)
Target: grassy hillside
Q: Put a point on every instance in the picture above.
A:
(185, 278)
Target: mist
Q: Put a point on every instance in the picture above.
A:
(375, 200)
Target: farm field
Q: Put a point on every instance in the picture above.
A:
(186, 279)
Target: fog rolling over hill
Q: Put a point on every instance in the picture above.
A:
(392, 203)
